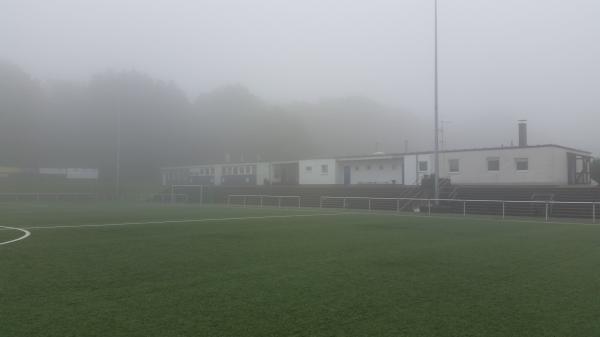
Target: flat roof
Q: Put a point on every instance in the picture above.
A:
(399, 155)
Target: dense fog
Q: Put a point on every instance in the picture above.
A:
(71, 124)
(205, 81)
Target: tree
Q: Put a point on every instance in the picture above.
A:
(70, 124)
(21, 99)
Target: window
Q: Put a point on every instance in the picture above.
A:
(453, 166)
(324, 168)
(522, 164)
(493, 164)
(309, 168)
(423, 166)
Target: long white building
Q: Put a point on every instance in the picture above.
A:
(526, 165)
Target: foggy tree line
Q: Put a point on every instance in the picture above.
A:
(70, 124)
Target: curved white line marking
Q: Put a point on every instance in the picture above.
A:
(25, 235)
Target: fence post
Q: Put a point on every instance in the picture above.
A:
(261, 201)
(172, 194)
(397, 205)
(369, 204)
(279, 202)
(464, 208)
(299, 202)
(245, 201)
(593, 213)
(344, 205)
(547, 216)
(429, 207)
(503, 209)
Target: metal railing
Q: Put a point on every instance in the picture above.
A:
(546, 210)
(261, 200)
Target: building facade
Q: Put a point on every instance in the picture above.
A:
(524, 165)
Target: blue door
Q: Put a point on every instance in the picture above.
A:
(347, 173)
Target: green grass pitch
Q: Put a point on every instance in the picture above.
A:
(269, 272)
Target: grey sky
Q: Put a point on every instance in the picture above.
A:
(500, 60)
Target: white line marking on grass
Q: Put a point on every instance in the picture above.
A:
(186, 221)
(25, 235)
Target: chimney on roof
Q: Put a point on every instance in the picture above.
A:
(522, 133)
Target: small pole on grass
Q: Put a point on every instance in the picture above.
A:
(503, 209)
(279, 202)
(369, 204)
(547, 217)
(397, 205)
(593, 213)
(201, 194)
(464, 208)
(429, 207)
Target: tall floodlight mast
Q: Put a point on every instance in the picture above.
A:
(118, 158)
(436, 187)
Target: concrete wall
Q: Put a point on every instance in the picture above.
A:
(412, 173)
(311, 172)
(263, 172)
(547, 166)
(372, 171)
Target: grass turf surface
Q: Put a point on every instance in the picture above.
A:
(334, 275)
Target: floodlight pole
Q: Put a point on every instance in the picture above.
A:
(436, 188)
(118, 159)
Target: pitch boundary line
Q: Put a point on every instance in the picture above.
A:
(25, 235)
(185, 221)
